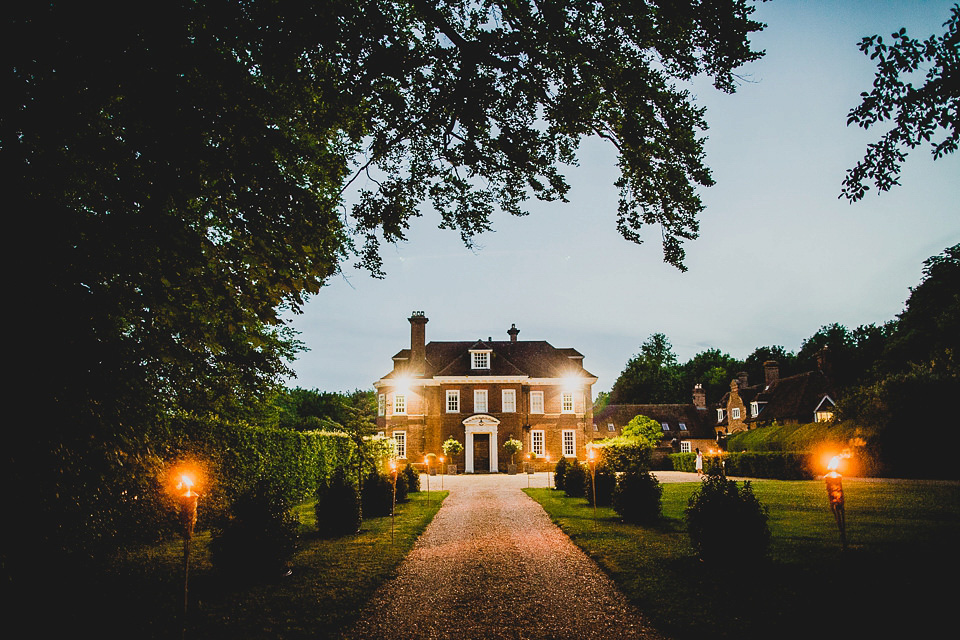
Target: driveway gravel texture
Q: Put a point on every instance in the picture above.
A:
(493, 565)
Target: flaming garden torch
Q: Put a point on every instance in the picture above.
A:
(835, 493)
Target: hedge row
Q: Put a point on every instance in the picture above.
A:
(778, 465)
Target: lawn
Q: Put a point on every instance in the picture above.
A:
(141, 594)
(894, 578)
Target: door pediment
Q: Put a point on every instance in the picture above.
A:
(481, 421)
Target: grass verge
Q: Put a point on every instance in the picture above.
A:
(890, 580)
(141, 594)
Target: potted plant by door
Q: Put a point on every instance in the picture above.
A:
(512, 447)
(451, 449)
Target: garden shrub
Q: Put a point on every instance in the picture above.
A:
(779, 465)
(261, 535)
(623, 453)
(560, 473)
(403, 486)
(637, 497)
(413, 478)
(606, 483)
(377, 494)
(338, 506)
(726, 522)
(575, 479)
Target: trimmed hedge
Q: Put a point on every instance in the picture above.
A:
(778, 465)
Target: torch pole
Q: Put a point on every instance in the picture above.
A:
(835, 493)
(188, 517)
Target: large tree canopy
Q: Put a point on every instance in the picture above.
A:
(183, 171)
(918, 113)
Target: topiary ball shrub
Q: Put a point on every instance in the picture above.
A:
(560, 473)
(637, 497)
(377, 494)
(726, 522)
(413, 478)
(259, 537)
(403, 486)
(338, 506)
(606, 481)
(575, 480)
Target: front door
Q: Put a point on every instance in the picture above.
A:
(481, 452)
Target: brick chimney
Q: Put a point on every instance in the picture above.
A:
(771, 373)
(742, 379)
(513, 331)
(699, 397)
(418, 342)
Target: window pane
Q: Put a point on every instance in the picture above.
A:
(399, 403)
(537, 442)
(509, 401)
(480, 401)
(453, 401)
(566, 403)
(569, 443)
(536, 402)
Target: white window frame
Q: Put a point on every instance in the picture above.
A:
(720, 413)
(569, 443)
(400, 437)
(481, 401)
(479, 359)
(453, 401)
(382, 404)
(508, 401)
(536, 402)
(537, 442)
(611, 427)
(754, 409)
(400, 403)
(735, 413)
(566, 402)
(685, 446)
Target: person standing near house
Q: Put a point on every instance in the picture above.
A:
(699, 463)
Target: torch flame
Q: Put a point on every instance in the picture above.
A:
(186, 482)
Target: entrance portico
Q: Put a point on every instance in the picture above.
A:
(481, 424)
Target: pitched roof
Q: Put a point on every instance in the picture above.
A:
(794, 397)
(531, 358)
(697, 421)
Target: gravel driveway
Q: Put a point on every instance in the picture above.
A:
(492, 565)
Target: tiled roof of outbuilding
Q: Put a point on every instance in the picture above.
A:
(697, 421)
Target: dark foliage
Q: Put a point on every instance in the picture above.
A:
(412, 478)
(919, 112)
(726, 522)
(377, 494)
(606, 482)
(575, 479)
(259, 538)
(560, 473)
(636, 498)
(338, 506)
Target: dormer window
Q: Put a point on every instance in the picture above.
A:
(735, 413)
(479, 359)
(720, 413)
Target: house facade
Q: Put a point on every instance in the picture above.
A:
(483, 393)
(798, 399)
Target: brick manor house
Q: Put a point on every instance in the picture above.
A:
(483, 393)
